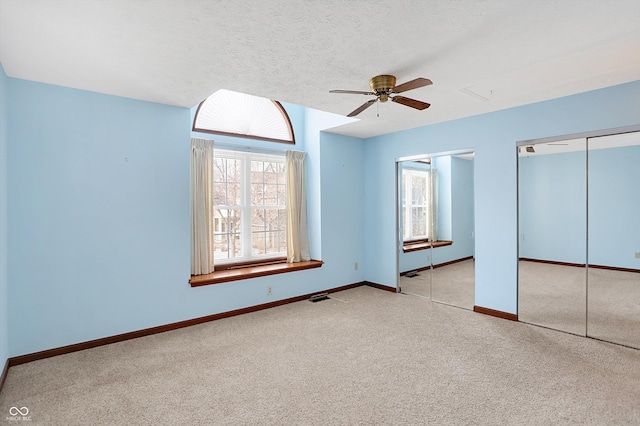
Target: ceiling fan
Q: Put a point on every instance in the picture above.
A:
(383, 87)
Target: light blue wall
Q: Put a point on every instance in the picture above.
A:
(553, 205)
(4, 290)
(462, 207)
(614, 207)
(342, 207)
(315, 122)
(98, 218)
(444, 184)
(493, 136)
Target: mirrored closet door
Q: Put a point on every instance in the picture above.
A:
(436, 243)
(552, 198)
(414, 211)
(579, 236)
(613, 281)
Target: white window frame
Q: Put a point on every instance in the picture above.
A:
(245, 208)
(407, 204)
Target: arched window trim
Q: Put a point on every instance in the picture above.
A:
(278, 105)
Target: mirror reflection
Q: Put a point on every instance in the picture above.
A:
(552, 235)
(579, 239)
(614, 239)
(436, 219)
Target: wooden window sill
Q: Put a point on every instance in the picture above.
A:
(424, 245)
(251, 272)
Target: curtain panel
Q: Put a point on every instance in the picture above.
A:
(297, 230)
(433, 231)
(201, 206)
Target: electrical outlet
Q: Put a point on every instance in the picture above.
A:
(637, 255)
(355, 266)
(269, 290)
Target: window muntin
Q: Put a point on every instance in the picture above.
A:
(249, 206)
(241, 115)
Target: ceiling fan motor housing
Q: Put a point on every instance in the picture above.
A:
(381, 85)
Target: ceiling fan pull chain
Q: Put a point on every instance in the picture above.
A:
(377, 109)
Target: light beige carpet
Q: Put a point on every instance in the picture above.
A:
(452, 284)
(605, 306)
(552, 296)
(365, 357)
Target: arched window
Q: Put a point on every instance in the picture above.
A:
(246, 116)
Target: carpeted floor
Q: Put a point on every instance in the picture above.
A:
(606, 306)
(452, 284)
(553, 296)
(365, 357)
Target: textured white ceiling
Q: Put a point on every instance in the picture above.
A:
(482, 55)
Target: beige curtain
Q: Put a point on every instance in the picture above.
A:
(433, 211)
(297, 231)
(201, 206)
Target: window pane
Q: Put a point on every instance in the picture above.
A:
(220, 195)
(226, 177)
(220, 182)
(219, 170)
(404, 188)
(282, 177)
(273, 222)
(271, 171)
(282, 242)
(404, 222)
(418, 190)
(257, 243)
(282, 219)
(272, 242)
(270, 195)
(234, 193)
(282, 195)
(226, 234)
(258, 220)
(234, 170)
(257, 172)
(257, 194)
(220, 247)
(419, 221)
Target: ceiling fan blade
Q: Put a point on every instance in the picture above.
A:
(411, 102)
(353, 92)
(413, 84)
(362, 108)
